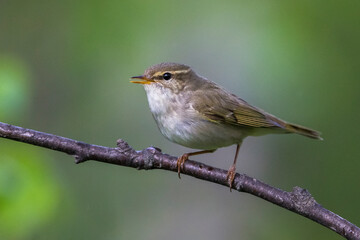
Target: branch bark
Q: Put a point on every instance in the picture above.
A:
(299, 200)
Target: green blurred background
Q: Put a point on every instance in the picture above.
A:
(65, 68)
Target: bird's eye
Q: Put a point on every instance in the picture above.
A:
(166, 76)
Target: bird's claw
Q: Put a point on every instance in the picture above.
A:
(231, 175)
(180, 163)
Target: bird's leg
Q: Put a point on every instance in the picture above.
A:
(232, 170)
(185, 156)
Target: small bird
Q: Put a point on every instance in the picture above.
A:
(200, 114)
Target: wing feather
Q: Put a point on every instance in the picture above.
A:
(229, 109)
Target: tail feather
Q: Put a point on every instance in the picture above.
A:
(293, 128)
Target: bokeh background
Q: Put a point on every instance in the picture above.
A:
(65, 69)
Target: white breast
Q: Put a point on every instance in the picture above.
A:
(179, 122)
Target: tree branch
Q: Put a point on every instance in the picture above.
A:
(299, 200)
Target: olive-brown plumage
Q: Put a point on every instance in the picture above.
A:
(197, 113)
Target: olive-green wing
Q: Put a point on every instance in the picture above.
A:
(217, 105)
(235, 111)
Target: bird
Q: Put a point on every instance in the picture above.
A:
(197, 113)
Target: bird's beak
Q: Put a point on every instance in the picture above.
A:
(144, 79)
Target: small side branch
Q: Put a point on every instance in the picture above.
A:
(299, 200)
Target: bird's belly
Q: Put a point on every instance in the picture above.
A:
(199, 133)
(180, 123)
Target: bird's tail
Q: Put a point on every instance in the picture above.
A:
(293, 128)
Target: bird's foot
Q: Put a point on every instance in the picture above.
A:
(231, 175)
(180, 162)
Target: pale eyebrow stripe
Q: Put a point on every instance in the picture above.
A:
(181, 71)
(173, 72)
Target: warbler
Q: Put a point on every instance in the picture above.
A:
(197, 113)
